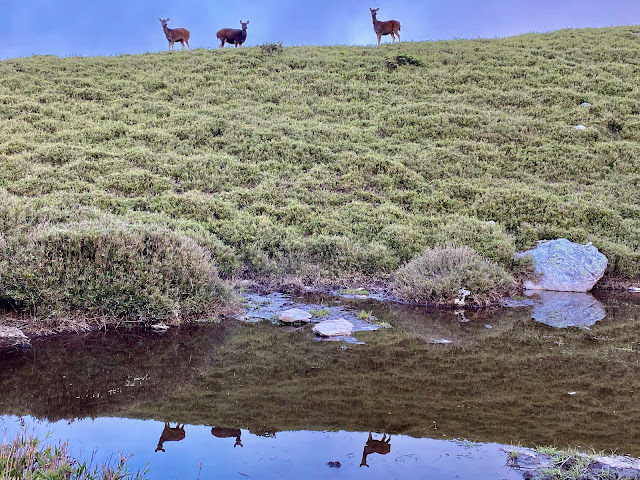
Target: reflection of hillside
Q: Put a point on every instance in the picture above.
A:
(510, 384)
(74, 376)
(507, 384)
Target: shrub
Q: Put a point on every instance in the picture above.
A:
(134, 272)
(436, 275)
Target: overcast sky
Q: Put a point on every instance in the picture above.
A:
(111, 27)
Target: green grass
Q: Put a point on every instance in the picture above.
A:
(29, 458)
(323, 162)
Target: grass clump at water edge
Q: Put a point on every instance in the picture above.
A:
(438, 274)
(28, 458)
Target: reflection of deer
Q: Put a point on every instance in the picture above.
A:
(169, 434)
(227, 433)
(375, 446)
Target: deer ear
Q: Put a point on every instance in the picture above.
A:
(247, 22)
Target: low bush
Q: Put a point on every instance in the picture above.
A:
(436, 276)
(52, 263)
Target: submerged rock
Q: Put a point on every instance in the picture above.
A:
(295, 315)
(565, 266)
(566, 309)
(334, 328)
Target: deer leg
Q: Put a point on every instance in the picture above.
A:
(398, 34)
(182, 43)
(379, 37)
(393, 38)
(190, 47)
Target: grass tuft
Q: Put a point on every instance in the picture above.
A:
(437, 275)
(28, 458)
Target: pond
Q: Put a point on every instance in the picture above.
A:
(441, 394)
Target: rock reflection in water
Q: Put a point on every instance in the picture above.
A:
(566, 309)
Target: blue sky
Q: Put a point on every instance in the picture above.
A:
(111, 27)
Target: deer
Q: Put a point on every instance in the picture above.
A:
(170, 434)
(175, 34)
(375, 446)
(227, 433)
(385, 28)
(233, 36)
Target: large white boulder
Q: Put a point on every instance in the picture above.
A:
(565, 266)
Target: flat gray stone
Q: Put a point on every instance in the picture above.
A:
(565, 266)
(13, 337)
(566, 309)
(334, 328)
(295, 315)
(585, 104)
(580, 127)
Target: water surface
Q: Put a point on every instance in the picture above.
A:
(298, 404)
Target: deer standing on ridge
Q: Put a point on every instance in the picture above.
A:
(375, 446)
(233, 36)
(385, 28)
(175, 34)
(170, 434)
(227, 433)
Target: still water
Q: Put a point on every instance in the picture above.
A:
(439, 395)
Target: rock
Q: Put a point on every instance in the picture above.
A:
(295, 315)
(621, 467)
(634, 289)
(160, 327)
(580, 127)
(585, 104)
(334, 328)
(566, 309)
(13, 337)
(565, 266)
(440, 341)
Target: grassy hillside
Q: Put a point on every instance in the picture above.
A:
(313, 162)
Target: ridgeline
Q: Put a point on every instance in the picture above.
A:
(137, 186)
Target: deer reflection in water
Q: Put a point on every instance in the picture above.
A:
(375, 446)
(170, 434)
(227, 433)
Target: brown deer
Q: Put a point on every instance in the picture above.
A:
(233, 36)
(385, 28)
(169, 434)
(227, 433)
(175, 34)
(375, 446)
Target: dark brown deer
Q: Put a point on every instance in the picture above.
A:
(175, 34)
(227, 433)
(375, 446)
(233, 36)
(170, 434)
(385, 28)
